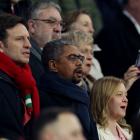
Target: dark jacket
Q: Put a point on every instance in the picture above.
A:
(120, 43)
(55, 91)
(109, 9)
(35, 61)
(11, 109)
(22, 8)
(136, 129)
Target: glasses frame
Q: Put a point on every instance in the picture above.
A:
(74, 57)
(51, 22)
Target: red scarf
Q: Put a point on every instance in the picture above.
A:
(25, 82)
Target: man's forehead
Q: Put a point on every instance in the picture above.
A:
(65, 117)
(49, 12)
(69, 119)
(71, 49)
(62, 121)
(18, 30)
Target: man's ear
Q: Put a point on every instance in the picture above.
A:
(1, 46)
(52, 66)
(31, 26)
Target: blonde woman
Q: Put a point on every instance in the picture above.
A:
(108, 104)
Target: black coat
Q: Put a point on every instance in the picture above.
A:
(11, 109)
(120, 43)
(57, 92)
(35, 61)
(22, 8)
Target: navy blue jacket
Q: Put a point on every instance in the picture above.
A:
(57, 92)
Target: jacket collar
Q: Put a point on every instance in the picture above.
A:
(35, 50)
(52, 83)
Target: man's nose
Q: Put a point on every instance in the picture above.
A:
(58, 28)
(79, 62)
(27, 43)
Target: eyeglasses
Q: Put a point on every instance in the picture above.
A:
(74, 58)
(52, 22)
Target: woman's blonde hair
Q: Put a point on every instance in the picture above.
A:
(103, 90)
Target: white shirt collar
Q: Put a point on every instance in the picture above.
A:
(136, 24)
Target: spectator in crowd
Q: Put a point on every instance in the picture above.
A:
(108, 104)
(19, 100)
(62, 62)
(58, 124)
(84, 42)
(45, 25)
(81, 20)
(120, 44)
(18, 7)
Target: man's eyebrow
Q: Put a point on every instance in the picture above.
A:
(19, 36)
(53, 18)
(73, 54)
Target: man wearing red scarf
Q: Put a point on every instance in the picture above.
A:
(19, 100)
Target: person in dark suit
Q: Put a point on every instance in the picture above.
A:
(45, 24)
(62, 62)
(17, 7)
(19, 99)
(120, 44)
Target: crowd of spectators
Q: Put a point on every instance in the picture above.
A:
(60, 81)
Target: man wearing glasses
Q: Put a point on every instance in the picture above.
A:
(45, 25)
(63, 70)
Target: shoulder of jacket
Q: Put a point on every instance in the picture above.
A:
(6, 78)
